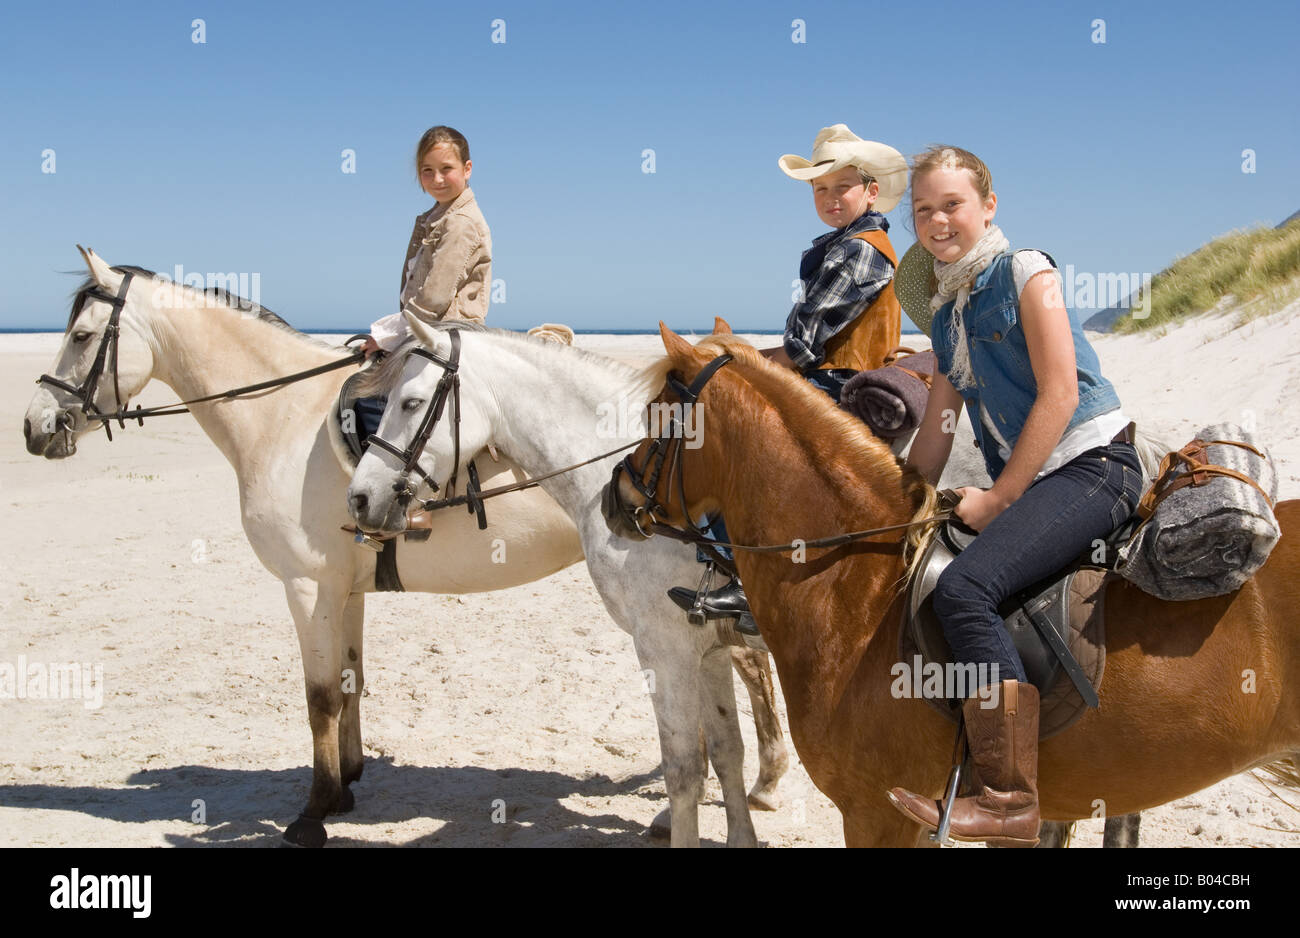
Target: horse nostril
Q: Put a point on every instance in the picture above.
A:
(360, 501)
(27, 429)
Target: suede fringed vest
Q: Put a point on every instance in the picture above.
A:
(863, 344)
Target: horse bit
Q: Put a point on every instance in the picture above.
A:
(85, 393)
(657, 454)
(448, 387)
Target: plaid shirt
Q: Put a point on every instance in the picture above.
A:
(841, 276)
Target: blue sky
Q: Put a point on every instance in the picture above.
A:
(225, 156)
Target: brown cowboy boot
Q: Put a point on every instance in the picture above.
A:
(1004, 749)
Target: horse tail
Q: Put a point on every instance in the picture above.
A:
(1285, 772)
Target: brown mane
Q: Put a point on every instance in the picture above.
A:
(837, 437)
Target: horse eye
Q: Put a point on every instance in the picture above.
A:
(81, 336)
(412, 404)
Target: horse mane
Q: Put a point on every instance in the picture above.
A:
(805, 406)
(231, 300)
(381, 378)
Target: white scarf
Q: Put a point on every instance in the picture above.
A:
(955, 281)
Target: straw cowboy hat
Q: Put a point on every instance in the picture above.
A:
(837, 147)
(914, 284)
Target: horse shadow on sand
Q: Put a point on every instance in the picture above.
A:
(479, 807)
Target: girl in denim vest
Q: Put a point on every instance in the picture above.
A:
(1056, 444)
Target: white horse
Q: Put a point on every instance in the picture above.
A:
(284, 451)
(548, 406)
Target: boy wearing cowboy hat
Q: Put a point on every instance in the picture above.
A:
(847, 319)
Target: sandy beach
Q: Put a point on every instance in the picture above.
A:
(129, 557)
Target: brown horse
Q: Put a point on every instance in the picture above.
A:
(1194, 691)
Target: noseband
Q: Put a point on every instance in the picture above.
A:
(108, 342)
(448, 387)
(657, 454)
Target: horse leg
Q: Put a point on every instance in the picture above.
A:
(661, 828)
(755, 669)
(351, 760)
(1053, 834)
(675, 695)
(319, 624)
(726, 746)
(1121, 831)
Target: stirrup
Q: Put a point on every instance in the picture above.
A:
(940, 836)
(692, 601)
(695, 615)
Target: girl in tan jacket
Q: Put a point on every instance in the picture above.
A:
(447, 273)
(448, 269)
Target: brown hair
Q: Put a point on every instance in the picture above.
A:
(440, 134)
(866, 177)
(941, 156)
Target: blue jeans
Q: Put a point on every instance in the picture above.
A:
(1051, 524)
(369, 410)
(830, 380)
(717, 530)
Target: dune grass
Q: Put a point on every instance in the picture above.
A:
(1260, 264)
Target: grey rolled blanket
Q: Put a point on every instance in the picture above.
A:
(1208, 539)
(889, 400)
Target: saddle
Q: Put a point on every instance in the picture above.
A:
(1056, 624)
(344, 426)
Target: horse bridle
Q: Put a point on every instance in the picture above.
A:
(108, 344)
(658, 453)
(660, 448)
(448, 388)
(475, 495)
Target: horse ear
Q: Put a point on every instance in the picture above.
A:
(100, 272)
(721, 326)
(420, 329)
(676, 346)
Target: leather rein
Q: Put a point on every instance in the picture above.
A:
(448, 389)
(107, 351)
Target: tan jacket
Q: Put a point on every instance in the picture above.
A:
(451, 277)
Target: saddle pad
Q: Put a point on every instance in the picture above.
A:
(1060, 705)
(343, 432)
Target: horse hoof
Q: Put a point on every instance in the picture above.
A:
(347, 801)
(305, 832)
(661, 828)
(763, 800)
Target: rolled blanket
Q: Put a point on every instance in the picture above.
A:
(1207, 539)
(891, 400)
(553, 332)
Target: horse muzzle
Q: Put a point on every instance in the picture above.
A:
(382, 513)
(51, 433)
(623, 519)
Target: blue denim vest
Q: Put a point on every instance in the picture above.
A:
(999, 358)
